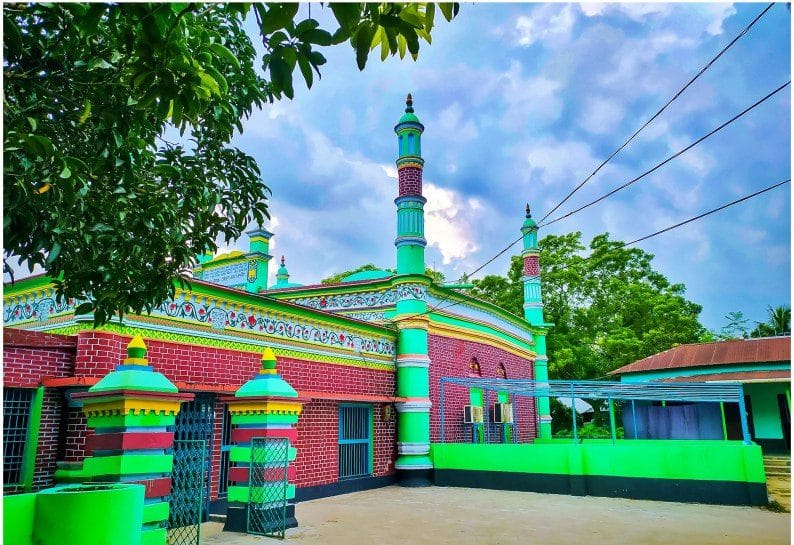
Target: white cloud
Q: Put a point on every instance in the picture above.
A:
(449, 222)
(530, 102)
(548, 23)
(601, 115)
(452, 121)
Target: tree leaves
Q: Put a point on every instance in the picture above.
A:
(609, 309)
(93, 189)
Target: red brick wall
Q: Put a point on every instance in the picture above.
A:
(317, 462)
(47, 451)
(410, 181)
(77, 433)
(452, 358)
(217, 437)
(24, 367)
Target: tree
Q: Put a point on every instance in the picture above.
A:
(608, 309)
(94, 192)
(736, 328)
(779, 323)
(436, 276)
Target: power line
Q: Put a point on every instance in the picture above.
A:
(646, 237)
(691, 81)
(659, 165)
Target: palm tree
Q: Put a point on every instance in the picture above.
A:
(779, 323)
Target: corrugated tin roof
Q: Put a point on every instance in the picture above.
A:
(763, 350)
(738, 376)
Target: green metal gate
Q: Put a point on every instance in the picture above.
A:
(188, 481)
(267, 486)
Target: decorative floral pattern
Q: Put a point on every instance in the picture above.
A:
(274, 324)
(368, 316)
(364, 299)
(40, 309)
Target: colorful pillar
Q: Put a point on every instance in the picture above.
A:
(413, 415)
(130, 410)
(533, 313)
(258, 259)
(265, 406)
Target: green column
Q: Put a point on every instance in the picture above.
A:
(533, 313)
(32, 440)
(413, 382)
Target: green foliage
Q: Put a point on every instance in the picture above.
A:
(779, 323)
(591, 431)
(735, 328)
(609, 309)
(93, 191)
(436, 276)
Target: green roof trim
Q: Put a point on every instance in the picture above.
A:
(376, 274)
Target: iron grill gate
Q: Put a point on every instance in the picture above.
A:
(187, 492)
(355, 441)
(16, 417)
(267, 486)
(196, 422)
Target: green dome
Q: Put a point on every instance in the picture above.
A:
(409, 117)
(367, 275)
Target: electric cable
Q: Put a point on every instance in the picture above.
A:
(659, 165)
(646, 237)
(691, 81)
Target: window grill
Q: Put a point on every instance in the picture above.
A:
(16, 419)
(355, 441)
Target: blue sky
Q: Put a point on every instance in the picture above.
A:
(520, 103)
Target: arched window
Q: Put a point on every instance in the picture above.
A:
(501, 372)
(411, 150)
(474, 368)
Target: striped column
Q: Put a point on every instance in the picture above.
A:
(533, 313)
(130, 410)
(413, 463)
(265, 406)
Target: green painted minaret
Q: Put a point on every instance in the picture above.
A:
(413, 383)
(533, 313)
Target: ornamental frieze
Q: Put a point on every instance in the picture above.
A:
(232, 319)
(364, 299)
(41, 307)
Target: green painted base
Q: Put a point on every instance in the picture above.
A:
(243, 454)
(154, 512)
(158, 536)
(240, 493)
(678, 490)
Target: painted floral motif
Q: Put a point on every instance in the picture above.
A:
(41, 309)
(364, 299)
(368, 316)
(281, 326)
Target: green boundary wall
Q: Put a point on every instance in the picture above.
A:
(724, 472)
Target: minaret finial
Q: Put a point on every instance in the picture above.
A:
(409, 104)
(529, 215)
(282, 257)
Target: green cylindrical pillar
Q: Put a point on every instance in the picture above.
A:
(413, 383)
(533, 313)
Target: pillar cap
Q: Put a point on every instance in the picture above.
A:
(266, 383)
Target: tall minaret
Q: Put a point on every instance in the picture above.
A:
(533, 313)
(413, 415)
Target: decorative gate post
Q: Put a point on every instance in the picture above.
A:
(129, 410)
(264, 407)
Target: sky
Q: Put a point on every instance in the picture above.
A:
(520, 103)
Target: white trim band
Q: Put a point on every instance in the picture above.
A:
(413, 406)
(412, 361)
(413, 448)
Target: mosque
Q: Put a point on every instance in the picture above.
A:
(365, 357)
